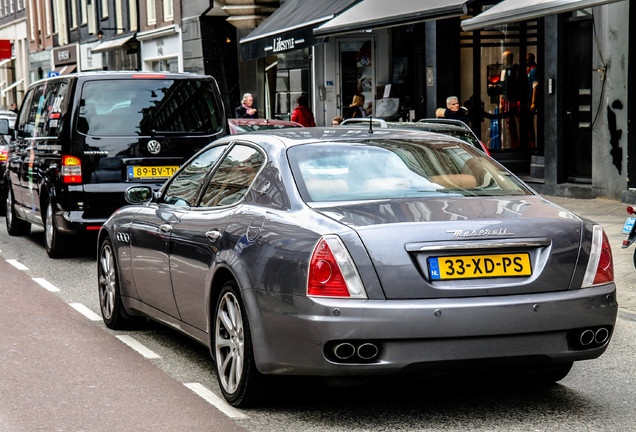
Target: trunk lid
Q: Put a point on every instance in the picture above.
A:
(466, 247)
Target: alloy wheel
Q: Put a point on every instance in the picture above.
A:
(107, 282)
(229, 342)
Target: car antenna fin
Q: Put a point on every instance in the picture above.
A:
(371, 124)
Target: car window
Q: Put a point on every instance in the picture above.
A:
(233, 178)
(183, 188)
(397, 169)
(144, 106)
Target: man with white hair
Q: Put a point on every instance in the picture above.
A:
(245, 110)
(454, 111)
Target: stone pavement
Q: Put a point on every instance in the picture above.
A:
(611, 216)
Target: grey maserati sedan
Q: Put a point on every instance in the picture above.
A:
(349, 252)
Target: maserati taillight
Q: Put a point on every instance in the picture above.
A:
(71, 169)
(600, 267)
(332, 272)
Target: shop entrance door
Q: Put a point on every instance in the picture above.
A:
(357, 74)
(578, 101)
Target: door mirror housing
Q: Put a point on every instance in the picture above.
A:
(139, 194)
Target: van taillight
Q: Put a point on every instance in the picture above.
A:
(71, 169)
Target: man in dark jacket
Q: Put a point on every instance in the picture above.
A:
(246, 110)
(454, 111)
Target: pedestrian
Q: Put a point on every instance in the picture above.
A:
(356, 109)
(302, 114)
(439, 112)
(14, 108)
(454, 111)
(336, 121)
(246, 110)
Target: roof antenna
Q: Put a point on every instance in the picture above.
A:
(370, 124)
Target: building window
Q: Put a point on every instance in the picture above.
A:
(167, 10)
(84, 12)
(104, 9)
(73, 15)
(119, 16)
(151, 13)
(132, 14)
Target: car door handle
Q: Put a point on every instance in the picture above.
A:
(213, 235)
(165, 228)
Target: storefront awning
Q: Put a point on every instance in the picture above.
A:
(65, 70)
(15, 84)
(114, 44)
(290, 27)
(370, 14)
(509, 11)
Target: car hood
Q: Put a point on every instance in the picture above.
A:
(404, 237)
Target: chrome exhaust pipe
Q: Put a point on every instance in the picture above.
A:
(368, 351)
(601, 335)
(587, 337)
(344, 351)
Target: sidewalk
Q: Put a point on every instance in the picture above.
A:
(611, 216)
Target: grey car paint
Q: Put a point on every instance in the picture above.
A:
(266, 241)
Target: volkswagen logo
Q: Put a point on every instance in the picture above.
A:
(153, 147)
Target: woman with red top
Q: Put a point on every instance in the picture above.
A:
(302, 114)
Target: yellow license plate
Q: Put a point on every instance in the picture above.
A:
(479, 266)
(145, 172)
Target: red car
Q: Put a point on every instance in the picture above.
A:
(241, 125)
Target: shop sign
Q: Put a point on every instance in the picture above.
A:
(281, 45)
(65, 55)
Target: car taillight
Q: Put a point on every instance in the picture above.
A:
(3, 155)
(71, 169)
(332, 272)
(630, 209)
(600, 268)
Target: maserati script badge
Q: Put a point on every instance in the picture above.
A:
(479, 233)
(154, 146)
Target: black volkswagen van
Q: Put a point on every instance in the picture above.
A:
(82, 139)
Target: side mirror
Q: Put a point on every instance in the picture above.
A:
(4, 127)
(139, 194)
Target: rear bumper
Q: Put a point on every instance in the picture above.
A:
(427, 334)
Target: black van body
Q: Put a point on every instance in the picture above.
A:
(82, 139)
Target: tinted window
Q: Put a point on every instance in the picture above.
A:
(183, 188)
(233, 177)
(397, 169)
(44, 111)
(140, 106)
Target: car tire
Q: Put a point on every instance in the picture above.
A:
(55, 243)
(110, 303)
(15, 225)
(241, 383)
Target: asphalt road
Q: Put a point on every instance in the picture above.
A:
(62, 369)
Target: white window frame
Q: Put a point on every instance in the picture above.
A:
(168, 10)
(151, 12)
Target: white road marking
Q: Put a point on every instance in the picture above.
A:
(213, 399)
(137, 346)
(85, 311)
(17, 264)
(46, 285)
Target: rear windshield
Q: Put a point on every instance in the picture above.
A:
(387, 169)
(146, 106)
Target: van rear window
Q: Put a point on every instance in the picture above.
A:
(143, 106)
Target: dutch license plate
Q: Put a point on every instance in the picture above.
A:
(146, 172)
(479, 266)
(629, 225)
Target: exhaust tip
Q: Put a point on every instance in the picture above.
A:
(601, 335)
(344, 351)
(367, 351)
(587, 337)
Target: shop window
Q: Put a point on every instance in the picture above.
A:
(510, 67)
